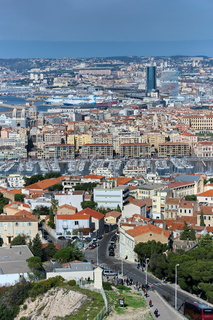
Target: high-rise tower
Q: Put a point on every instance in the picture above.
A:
(150, 79)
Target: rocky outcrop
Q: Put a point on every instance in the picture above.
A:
(57, 302)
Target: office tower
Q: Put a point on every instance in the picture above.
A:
(169, 82)
(150, 79)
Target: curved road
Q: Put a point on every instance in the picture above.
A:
(100, 256)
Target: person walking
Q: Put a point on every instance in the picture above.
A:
(150, 303)
(156, 313)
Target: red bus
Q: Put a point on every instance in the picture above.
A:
(198, 311)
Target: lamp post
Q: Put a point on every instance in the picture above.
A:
(176, 266)
(97, 252)
(147, 262)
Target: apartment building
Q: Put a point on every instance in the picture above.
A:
(100, 150)
(199, 123)
(203, 149)
(59, 151)
(111, 197)
(78, 140)
(173, 149)
(13, 225)
(154, 139)
(135, 150)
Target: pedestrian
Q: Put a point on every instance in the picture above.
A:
(150, 303)
(89, 280)
(156, 313)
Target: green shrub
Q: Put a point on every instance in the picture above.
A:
(107, 286)
(120, 287)
(71, 283)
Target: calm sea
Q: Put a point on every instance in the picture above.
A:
(12, 100)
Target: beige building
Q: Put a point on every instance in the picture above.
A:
(66, 209)
(78, 140)
(129, 238)
(135, 150)
(101, 150)
(171, 208)
(16, 207)
(12, 226)
(59, 151)
(200, 123)
(203, 149)
(173, 149)
(207, 212)
(154, 139)
(112, 217)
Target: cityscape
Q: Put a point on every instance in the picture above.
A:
(106, 160)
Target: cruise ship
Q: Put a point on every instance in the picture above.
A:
(72, 100)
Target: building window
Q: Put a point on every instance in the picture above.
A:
(16, 224)
(76, 223)
(29, 223)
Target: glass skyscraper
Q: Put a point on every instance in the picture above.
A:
(169, 82)
(150, 79)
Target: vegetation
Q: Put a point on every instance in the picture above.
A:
(41, 210)
(202, 222)
(39, 177)
(87, 186)
(188, 233)
(191, 197)
(3, 202)
(18, 240)
(52, 212)
(11, 298)
(19, 197)
(57, 187)
(70, 253)
(89, 204)
(195, 271)
(36, 246)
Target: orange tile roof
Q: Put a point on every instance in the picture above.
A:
(179, 184)
(206, 210)
(68, 207)
(114, 214)
(76, 216)
(95, 214)
(173, 201)
(208, 193)
(23, 212)
(147, 228)
(121, 180)
(44, 184)
(15, 191)
(18, 218)
(138, 202)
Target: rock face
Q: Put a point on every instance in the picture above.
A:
(57, 302)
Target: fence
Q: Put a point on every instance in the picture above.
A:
(101, 314)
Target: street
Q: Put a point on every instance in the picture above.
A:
(130, 270)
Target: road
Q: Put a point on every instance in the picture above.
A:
(130, 270)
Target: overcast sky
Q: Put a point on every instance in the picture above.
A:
(106, 20)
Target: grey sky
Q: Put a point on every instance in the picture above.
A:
(106, 20)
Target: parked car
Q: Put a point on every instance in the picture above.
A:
(91, 246)
(99, 237)
(108, 272)
(61, 238)
(111, 248)
(112, 253)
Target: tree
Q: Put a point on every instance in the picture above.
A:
(53, 211)
(36, 246)
(87, 186)
(49, 251)
(19, 240)
(41, 210)
(118, 208)
(34, 263)
(188, 233)
(191, 197)
(1, 241)
(3, 202)
(19, 197)
(89, 204)
(147, 249)
(202, 223)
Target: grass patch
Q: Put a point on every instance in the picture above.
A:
(132, 299)
(148, 316)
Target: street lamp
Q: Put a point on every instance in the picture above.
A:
(97, 252)
(147, 262)
(176, 266)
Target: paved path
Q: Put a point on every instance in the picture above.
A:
(166, 312)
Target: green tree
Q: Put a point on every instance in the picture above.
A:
(87, 186)
(3, 202)
(36, 247)
(89, 204)
(41, 210)
(191, 197)
(18, 240)
(202, 223)
(148, 249)
(188, 233)
(34, 263)
(118, 208)
(49, 251)
(19, 197)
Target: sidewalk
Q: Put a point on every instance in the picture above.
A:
(166, 312)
